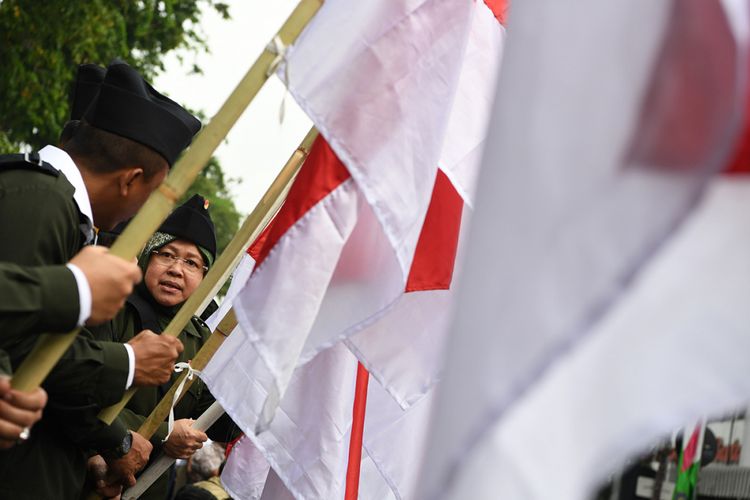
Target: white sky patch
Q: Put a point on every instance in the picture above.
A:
(258, 145)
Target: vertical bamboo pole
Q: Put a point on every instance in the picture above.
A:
(50, 348)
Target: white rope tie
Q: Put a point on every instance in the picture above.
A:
(276, 46)
(179, 367)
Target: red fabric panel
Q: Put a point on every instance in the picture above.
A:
(435, 256)
(683, 116)
(321, 173)
(358, 427)
(740, 162)
(256, 247)
(231, 444)
(499, 8)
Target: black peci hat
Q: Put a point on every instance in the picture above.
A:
(192, 222)
(85, 88)
(128, 106)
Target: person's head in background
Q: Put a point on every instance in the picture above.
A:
(205, 463)
(123, 136)
(178, 255)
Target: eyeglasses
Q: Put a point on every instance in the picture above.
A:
(167, 259)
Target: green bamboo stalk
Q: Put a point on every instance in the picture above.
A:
(50, 348)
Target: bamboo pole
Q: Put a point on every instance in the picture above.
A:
(225, 327)
(229, 321)
(164, 462)
(269, 204)
(201, 359)
(199, 362)
(222, 268)
(50, 348)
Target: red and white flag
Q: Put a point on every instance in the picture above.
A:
(563, 359)
(378, 82)
(360, 258)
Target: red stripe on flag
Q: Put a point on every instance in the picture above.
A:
(231, 444)
(321, 173)
(682, 116)
(499, 8)
(256, 248)
(435, 256)
(740, 163)
(358, 427)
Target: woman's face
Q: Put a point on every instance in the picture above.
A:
(174, 272)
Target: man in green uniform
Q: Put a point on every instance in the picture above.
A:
(30, 302)
(174, 262)
(50, 203)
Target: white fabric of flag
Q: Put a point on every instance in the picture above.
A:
(361, 237)
(594, 160)
(240, 276)
(403, 349)
(397, 65)
(672, 352)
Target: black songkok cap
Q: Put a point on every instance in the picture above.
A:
(85, 88)
(128, 106)
(192, 222)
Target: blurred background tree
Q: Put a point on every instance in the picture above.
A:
(44, 41)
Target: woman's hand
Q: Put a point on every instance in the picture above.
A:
(184, 440)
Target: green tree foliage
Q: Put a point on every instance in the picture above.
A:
(43, 41)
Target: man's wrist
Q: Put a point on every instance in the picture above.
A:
(121, 450)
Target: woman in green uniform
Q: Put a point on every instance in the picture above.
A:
(174, 262)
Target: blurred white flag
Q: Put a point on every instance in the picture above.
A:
(609, 119)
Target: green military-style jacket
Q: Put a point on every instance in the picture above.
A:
(197, 399)
(40, 231)
(30, 299)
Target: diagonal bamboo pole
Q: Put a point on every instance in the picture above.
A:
(201, 359)
(229, 322)
(225, 327)
(164, 462)
(249, 232)
(149, 426)
(50, 348)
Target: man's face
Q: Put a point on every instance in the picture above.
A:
(174, 272)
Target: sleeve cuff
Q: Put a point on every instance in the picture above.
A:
(84, 293)
(131, 365)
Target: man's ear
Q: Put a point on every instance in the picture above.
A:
(127, 177)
